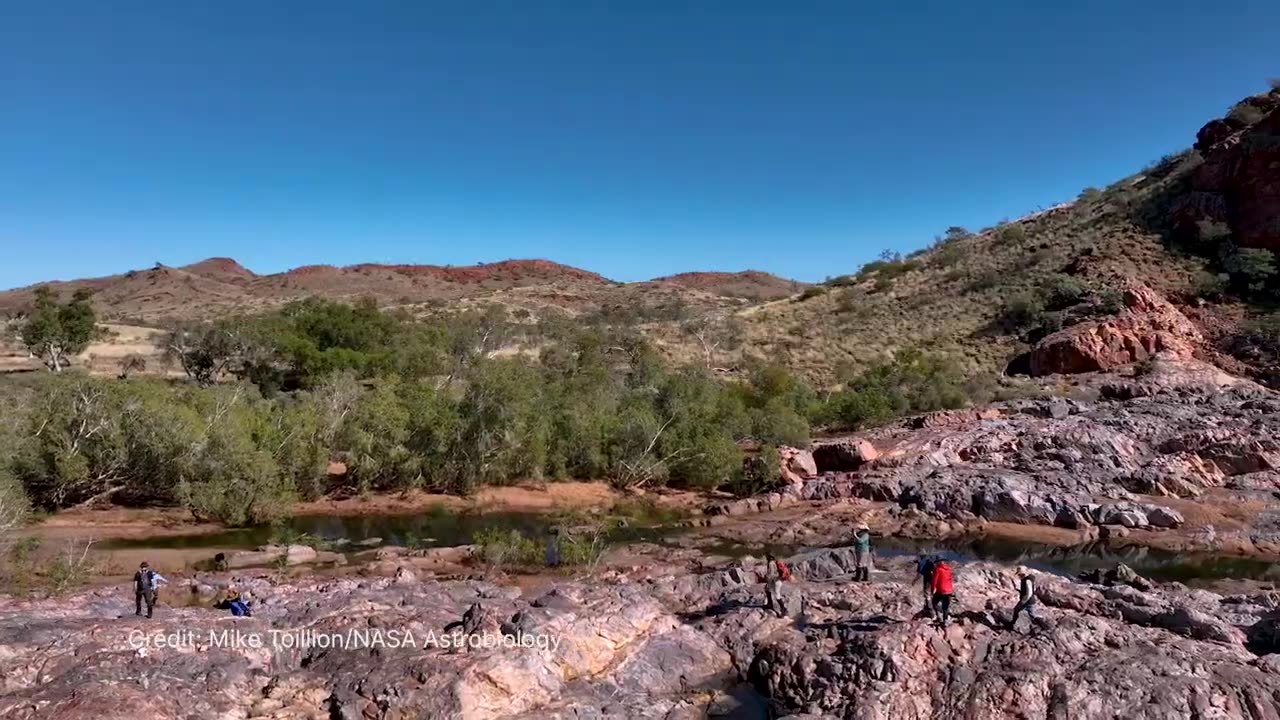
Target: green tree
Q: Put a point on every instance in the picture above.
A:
(501, 431)
(1254, 266)
(13, 503)
(75, 449)
(206, 350)
(374, 435)
(55, 331)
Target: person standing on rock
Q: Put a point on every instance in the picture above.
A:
(1026, 600)
(862, 553)
(775, 572)
(942, 591)
(145, 583)
(924, 568)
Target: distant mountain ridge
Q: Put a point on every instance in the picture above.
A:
(221, 285)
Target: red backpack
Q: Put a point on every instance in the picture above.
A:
(942, 578)
(784, 572)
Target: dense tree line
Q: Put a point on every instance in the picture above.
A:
(427, 404)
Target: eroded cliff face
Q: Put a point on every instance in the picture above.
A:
(1239, 182)
(665, 646)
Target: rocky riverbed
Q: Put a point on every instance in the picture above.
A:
(1177, 455)
(664, 644)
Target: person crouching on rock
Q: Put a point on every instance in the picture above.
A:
(862, 553)
(145, 584)
(924, 568)
(776, 571)
(942, 591)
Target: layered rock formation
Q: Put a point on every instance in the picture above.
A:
(1180, 430)
(1148, 325)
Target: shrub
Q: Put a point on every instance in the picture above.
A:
(841, 281)
(759, 473)
(1062, 291)
(911, 382)
(236, 483)
(1089, 194)
(948, 255)
(1263, 333)
(1245, 113)
(584, 545)
(1210, 285)
(1252, 265)
(705, 462)
(1108, 301)
(1022, 311)
(70, 567)
(375, 434)
(780, 424)
(1011, 234)
(13, 502)
(499, 549)
(985, 280)
(811, 293)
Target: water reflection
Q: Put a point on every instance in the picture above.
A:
(440, 527)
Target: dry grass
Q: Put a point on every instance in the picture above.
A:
(949, 302)
(944, 300)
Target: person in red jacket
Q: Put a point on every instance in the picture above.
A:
(942, 591)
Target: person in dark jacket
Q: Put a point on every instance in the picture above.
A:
(145, 583)
(924, 568)
(862, 553)
(1026, 601)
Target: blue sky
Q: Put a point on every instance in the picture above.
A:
(631, 138)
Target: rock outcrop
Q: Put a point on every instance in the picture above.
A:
(670, 646)
(844, 455)
(1179, 430)
(797, 464)
(1238, 183)
(1147, 326)
(1103, 652)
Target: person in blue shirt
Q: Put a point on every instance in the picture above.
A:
(145, 583)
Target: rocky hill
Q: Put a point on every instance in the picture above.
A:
(1196, 228)
(1188, 221)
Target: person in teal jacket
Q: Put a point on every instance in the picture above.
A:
(862, 553)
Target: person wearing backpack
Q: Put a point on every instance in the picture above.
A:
(924, 568)
(776, 572)
(1026, 601)
(145, 583)
(942, 591)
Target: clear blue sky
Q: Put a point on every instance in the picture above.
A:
(796, 137)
